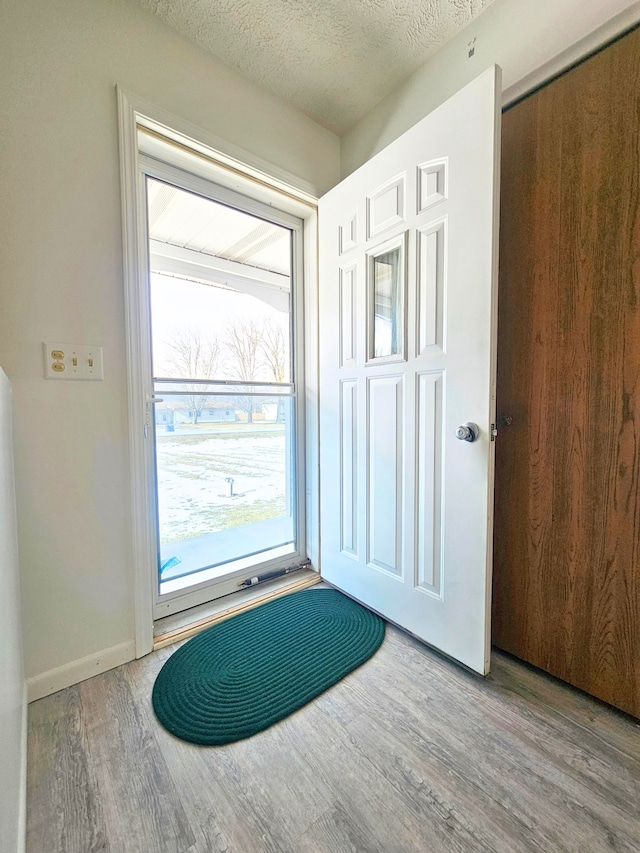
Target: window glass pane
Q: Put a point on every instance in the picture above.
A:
(221, 329)
(225, 479)
(220, 290)
(387, 303)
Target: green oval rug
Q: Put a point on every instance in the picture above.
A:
(241, 676)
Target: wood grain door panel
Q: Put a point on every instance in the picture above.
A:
(567, 519)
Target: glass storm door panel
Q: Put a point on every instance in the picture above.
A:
(224, 407)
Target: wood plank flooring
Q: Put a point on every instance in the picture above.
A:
(408, 753)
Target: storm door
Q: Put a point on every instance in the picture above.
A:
(223, 415)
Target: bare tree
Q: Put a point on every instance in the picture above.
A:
(194, 355)
(274, 351)
(243, 343)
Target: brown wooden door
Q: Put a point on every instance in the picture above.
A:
(567, 521)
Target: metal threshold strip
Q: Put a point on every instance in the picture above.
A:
(247, 598)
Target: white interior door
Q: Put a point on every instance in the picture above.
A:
(408, 283)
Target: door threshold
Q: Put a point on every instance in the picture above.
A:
(182, 626)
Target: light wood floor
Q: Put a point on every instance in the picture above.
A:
(409, 753)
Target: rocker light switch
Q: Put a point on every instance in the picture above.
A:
(72, 361)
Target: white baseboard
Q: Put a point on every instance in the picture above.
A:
(79, 670)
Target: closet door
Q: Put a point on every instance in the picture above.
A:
(567, 519)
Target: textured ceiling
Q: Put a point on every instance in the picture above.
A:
(333, 59)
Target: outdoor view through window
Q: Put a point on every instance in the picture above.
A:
(220, 296)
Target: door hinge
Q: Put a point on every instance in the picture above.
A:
(494, 432)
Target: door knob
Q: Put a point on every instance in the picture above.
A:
(505, 420)
(467, 432)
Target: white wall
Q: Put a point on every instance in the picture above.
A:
(519, 35)
(12, 692)
(62, 280)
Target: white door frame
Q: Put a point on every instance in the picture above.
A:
(228, 166)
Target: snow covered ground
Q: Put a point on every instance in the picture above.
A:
(193, 464)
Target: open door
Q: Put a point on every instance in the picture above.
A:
(408, 285)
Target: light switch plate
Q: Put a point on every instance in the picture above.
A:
(72, 361)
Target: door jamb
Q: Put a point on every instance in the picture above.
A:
(134, 112)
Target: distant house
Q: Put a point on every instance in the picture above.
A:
(218, 411)
(164, 415)
(170, 415)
